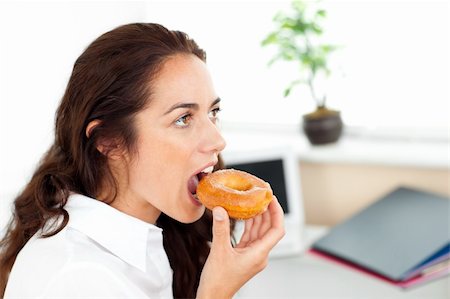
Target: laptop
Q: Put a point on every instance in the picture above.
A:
(403, 238)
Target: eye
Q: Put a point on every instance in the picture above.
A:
(184, 120)
(213, 114)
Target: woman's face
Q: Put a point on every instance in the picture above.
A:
(177, 139)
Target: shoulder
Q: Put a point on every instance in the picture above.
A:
(67, 265)
(91, 271)
(87, 280)
(36, 261)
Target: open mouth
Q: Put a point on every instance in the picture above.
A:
(193, 181)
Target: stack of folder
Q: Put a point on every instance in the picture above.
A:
(403, 238)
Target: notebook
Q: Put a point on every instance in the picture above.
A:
(400, 237)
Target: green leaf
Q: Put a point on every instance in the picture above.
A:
(316, 29)
(279, 17)
(272, 38)
(275, 58)
(294, 83)
(321, 13)
(287, 91)
(298, 6)
(326, 48)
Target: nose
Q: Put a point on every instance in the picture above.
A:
(212, 141)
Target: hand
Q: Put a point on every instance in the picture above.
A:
(227, 269)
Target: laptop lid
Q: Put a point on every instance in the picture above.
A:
(278, 167)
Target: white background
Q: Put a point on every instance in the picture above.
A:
(391, 72)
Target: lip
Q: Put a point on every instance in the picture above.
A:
(194, 201)
(191, 196)
(206, 166)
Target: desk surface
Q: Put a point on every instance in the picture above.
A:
(308, 276)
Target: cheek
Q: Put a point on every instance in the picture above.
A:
(159, 163)
(170, 153)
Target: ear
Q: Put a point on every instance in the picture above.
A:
(111, 148)
(101, 147)
(91, 125)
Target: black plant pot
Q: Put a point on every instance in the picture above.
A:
(322, 126)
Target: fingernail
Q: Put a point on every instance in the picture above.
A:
(218, 214)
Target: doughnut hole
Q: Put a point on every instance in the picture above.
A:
(236, 183)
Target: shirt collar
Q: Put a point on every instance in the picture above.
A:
(125, 236)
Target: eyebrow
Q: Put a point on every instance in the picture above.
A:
(194, 106)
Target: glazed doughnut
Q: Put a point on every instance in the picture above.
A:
(243, 195)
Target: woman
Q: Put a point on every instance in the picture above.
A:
(111, 210)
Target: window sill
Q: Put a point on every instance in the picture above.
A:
(351, 148)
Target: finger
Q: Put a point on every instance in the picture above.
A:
(248, 225)
(246, 235)
(221, 229)
(266, 223)
(276, 231)
(257, 220)
(276, 213)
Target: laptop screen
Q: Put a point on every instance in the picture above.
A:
(271, 171)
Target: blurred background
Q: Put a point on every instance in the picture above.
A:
(389, 78)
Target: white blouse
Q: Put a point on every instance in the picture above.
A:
(101, 253)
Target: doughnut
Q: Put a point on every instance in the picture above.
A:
(241, 194)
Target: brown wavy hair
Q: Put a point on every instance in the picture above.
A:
(111, 81)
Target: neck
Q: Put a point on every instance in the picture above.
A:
(140, 209)
(131, 205)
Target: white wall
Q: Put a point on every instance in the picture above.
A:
(392, 70)
(231, 33)
(39, 42)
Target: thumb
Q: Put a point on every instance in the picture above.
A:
(221, 228)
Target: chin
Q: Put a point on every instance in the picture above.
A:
(192, 216)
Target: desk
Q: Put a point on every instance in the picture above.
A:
(308, 276)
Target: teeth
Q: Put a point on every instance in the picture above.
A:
(208, 169)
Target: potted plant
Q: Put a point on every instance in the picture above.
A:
(296, 36)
